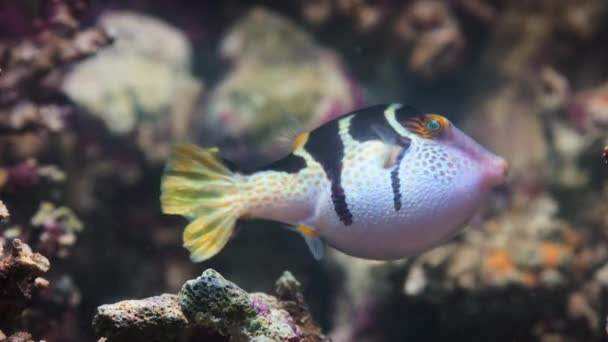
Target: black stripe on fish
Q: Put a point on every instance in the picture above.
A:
(396, 181)
(405, 113)
(290, 164)
(367, 123)
(326, 147)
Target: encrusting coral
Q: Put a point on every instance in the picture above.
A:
(142, 83)
(282, 81)
(212, 305)
(525, 246)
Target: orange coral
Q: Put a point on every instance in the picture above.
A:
(529, 279)
(552, 254)
(500, 261)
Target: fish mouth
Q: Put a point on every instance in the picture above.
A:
(494, 169)
(496, 172)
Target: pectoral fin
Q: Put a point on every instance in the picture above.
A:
(313, 240)
(396, 145)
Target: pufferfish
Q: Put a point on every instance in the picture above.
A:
(382, 183)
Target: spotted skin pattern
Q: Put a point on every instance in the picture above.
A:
(282, 196)
(377, 197)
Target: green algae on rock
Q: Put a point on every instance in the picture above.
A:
(212, 306)
(211, 300)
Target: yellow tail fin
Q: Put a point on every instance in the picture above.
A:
(196, 184)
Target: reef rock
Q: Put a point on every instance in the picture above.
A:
(159, 318)
(211, 300)
(20, 273)
(213, 306)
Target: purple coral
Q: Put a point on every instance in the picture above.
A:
(22, 175)
(260, 307)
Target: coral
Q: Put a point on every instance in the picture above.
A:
(281, 81)
(39, 40)
(527, 93)
(20, 273)
(528, 79)
(217, 305)
(17, 337)
(365, 284)
(211, 300)
(27, 174)
(525, 254)
(55, 229)
(588, 110)
(289, 293)
(366, 14)
(428, 34)
(143, 81)
(59, 228)
(437, 41)
(27, 101)
(525, 246)
(3, 214)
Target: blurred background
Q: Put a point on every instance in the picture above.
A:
(93, 93)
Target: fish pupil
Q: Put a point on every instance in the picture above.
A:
(433, 125)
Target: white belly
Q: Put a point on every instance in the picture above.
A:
(430, 213)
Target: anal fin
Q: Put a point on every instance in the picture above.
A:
(315, 243)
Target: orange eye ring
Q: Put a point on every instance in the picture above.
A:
(428, 126)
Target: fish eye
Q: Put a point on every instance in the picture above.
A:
(433, 125)
(428, 126)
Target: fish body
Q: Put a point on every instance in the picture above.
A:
(383, 182)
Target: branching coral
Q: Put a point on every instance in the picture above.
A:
(216, 305)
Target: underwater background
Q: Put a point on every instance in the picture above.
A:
(93, 94)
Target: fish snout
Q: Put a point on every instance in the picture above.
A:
(496, 172)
